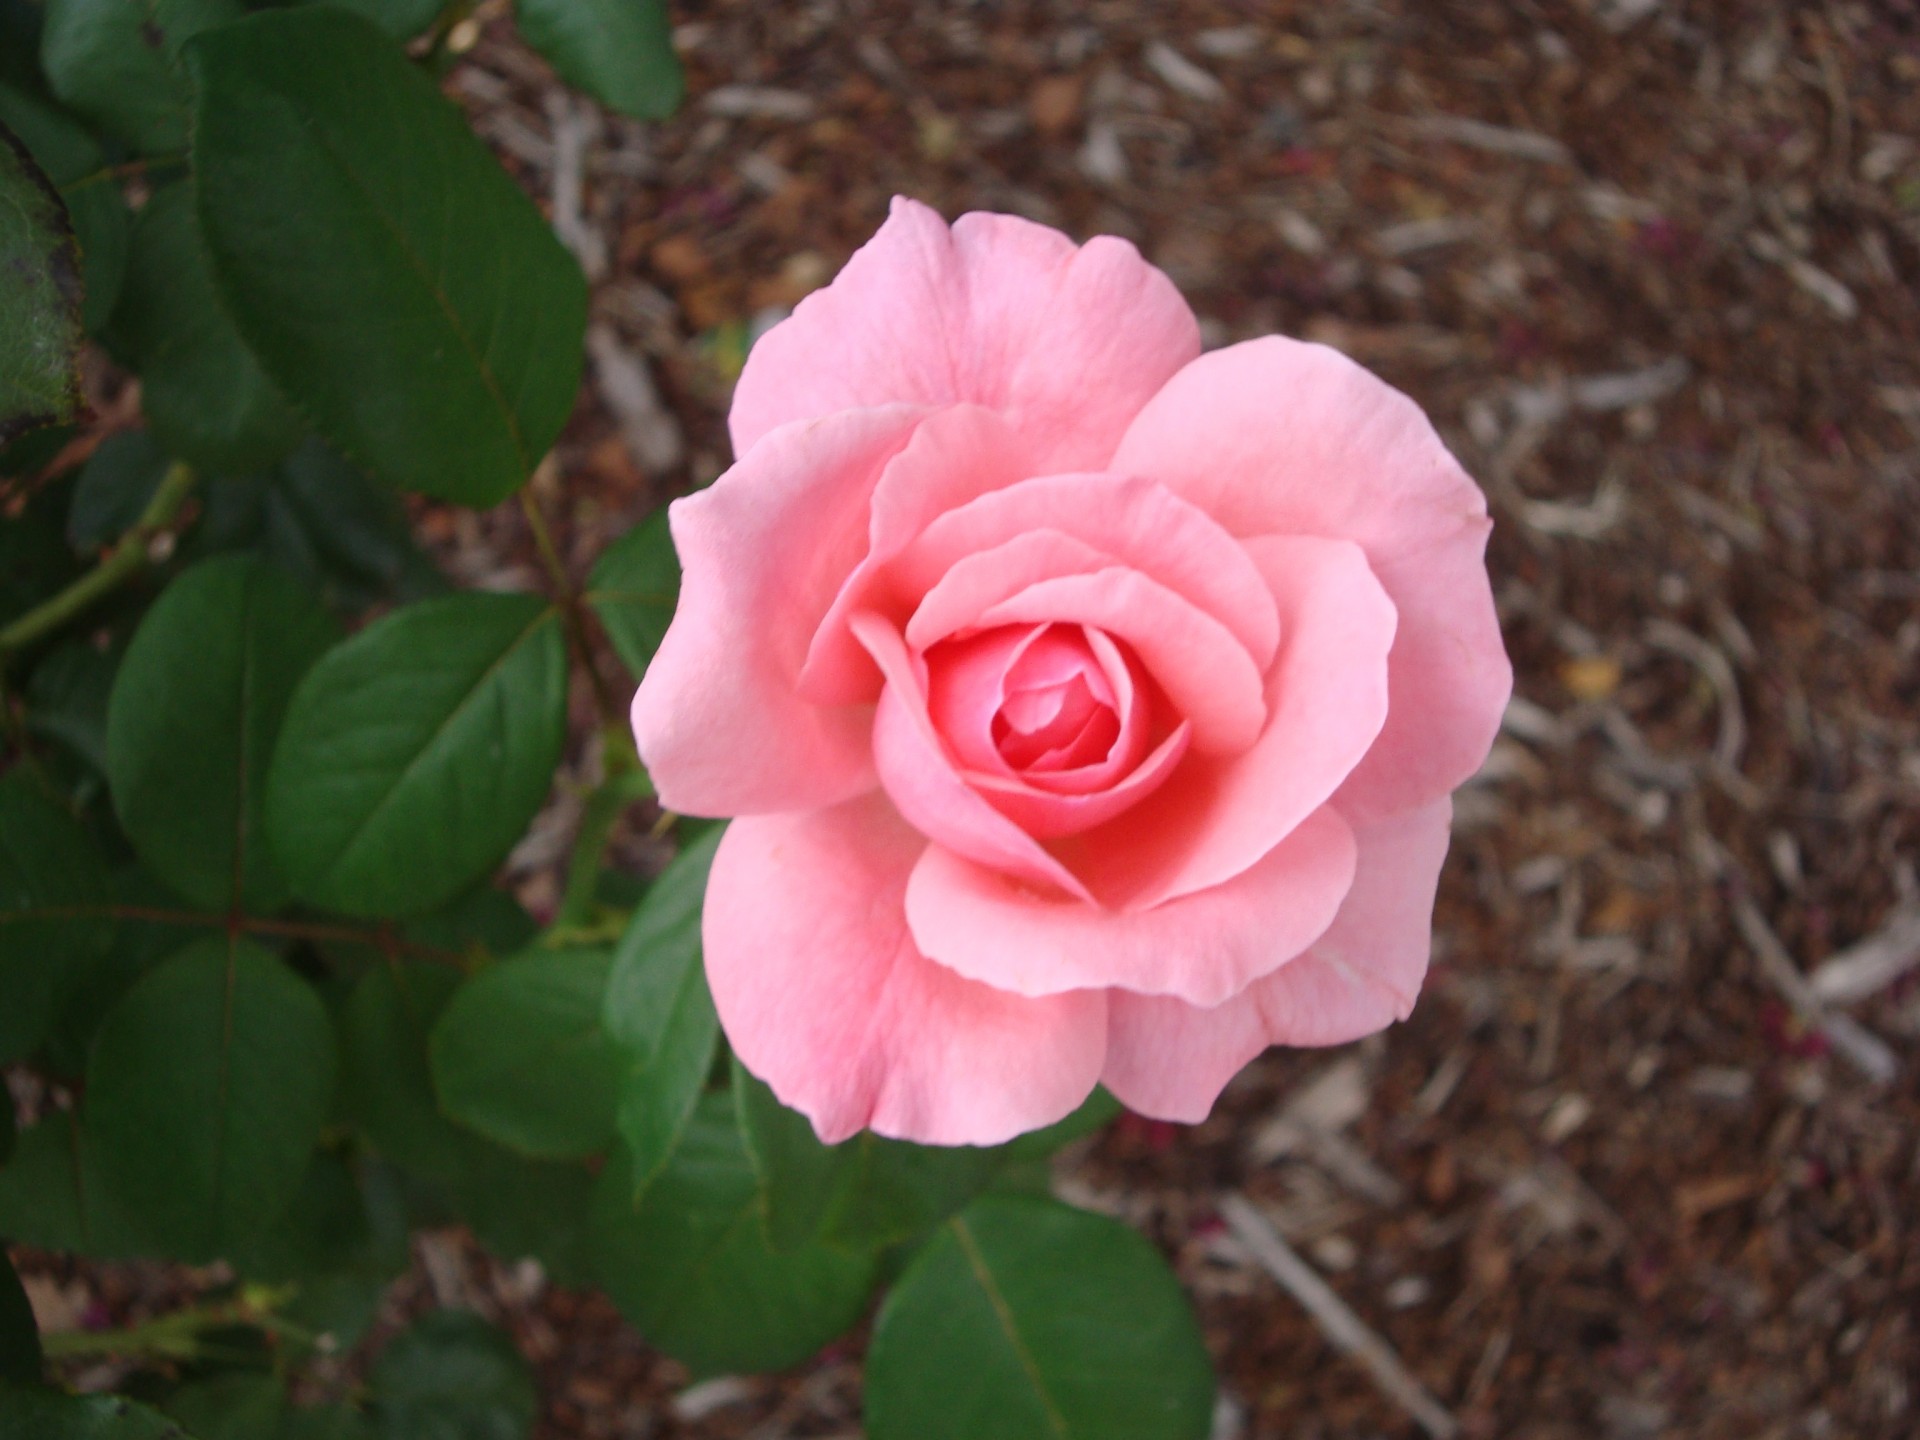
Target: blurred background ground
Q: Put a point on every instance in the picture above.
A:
(1646, 1160)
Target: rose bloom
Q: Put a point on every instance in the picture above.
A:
(1088, 707)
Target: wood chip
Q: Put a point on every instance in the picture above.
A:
(1868, 967)
(1868, 1052)
(1344, 1330)
(1496, 139)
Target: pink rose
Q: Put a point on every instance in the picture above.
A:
(1090, 706)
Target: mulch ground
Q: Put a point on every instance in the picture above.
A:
(1646, 1160)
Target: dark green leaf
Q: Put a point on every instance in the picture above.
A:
(54, 891)
(230, 1407)
(484, 922)
(342, 533)
(1028, 1320)
(35, 1414)
(384, 1077)
(190, 729)
(538, 1208)
(325, 1422)
(117, 62)
(339, 1244)
(452, 1376)
(19, 1334)
(114, 488)
(51, 1196)
(9, 1137)
(618, 51)
(634, 586)
(402, 19)
(400, 288)
(1096, 1112)
(139, 944)
(658, 1008)
(204, 394)
(522, 1057)
(206, 1091)
(689, 1264)
(40, 332)
(77, 167)
(34, 558)
(414, 755)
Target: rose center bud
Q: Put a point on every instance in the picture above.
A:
(1058, 706)
(1056, 724)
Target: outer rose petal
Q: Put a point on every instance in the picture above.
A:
(1326, 697)
(824, 996)
(954, 457)
(717, 718)
(1203, 948)
(1278, 437)
(1170, 1060)
(1067, 342)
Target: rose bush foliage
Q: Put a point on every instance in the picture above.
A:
(1089, 706)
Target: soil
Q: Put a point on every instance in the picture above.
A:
(1638, 1165)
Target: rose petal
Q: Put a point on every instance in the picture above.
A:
(1327, 696)
(1276, 437)
(1052, 814)
(1204, 671)
(1067, 342)
(1170, 1060)
(1202, 948)
(954, 456)
(1141, 524)
(824, 996)
(717, 718)
(920, 776)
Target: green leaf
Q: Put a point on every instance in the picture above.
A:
(384, 1076)
(206, 1091)
(19, 1335)
(117, 62)
(191, 725)
(204, 394)
(618, 51)
(76, 165)
(40, 333)
(801, 1180)
(521, 1056)
(230, 1407)
(1028, 1320)
(658, 1008)
(54, 893)
(452, 1376)
(868, 1191)
(51, 1195)
(9, 1137)
(35, 1414)
(114, 487)
(689, 1264)
(415, 754)
(325, 521)
(406, 295)
(634, 587)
